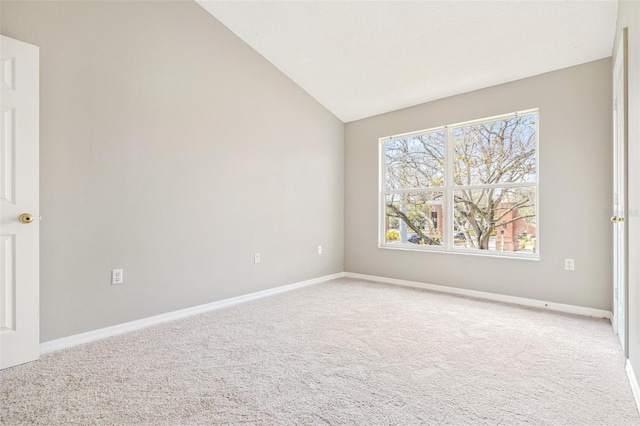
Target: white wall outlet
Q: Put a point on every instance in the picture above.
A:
(116, 276)
(569, 264)
(319, 249)
(256, 258)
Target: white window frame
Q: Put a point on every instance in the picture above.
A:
(448, 188)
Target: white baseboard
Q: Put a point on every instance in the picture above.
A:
(90, 336)
(633, 381)
(560, 307)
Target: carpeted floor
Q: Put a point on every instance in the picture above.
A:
(342, 352)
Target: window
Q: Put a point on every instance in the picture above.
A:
(469, 187)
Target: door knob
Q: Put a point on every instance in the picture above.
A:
(617, 219)
(26, 218)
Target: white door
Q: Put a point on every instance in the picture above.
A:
(19, 240)
(619, 191)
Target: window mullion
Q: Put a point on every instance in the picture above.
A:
(448, 193)
(495, 185)
(382, 194)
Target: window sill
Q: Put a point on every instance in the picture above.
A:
(467, 252)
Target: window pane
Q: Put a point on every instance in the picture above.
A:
(496, 219)
(415, 162)
(414, 218)
(495, 152)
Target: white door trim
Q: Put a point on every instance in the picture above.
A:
(633, 381)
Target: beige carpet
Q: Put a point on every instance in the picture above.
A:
(343, 352)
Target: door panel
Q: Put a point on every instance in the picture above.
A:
(19, 242)
(619, 191)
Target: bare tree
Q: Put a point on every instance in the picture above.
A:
(415, 162)
(413, 211)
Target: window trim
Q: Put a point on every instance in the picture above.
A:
(447, 189)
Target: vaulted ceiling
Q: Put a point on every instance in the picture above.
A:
(362, 58)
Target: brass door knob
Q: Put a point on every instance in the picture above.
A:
(26, 218)
(617, 219)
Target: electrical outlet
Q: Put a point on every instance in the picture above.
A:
(569, 264)
(256, 258)
(319, 249)
(116, 276)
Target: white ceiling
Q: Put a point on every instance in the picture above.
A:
(362, 58)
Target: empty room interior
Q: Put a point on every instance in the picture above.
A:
(320, 212)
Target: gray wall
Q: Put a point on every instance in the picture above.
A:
(575, 190)
(171, 149)
(629, 16)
